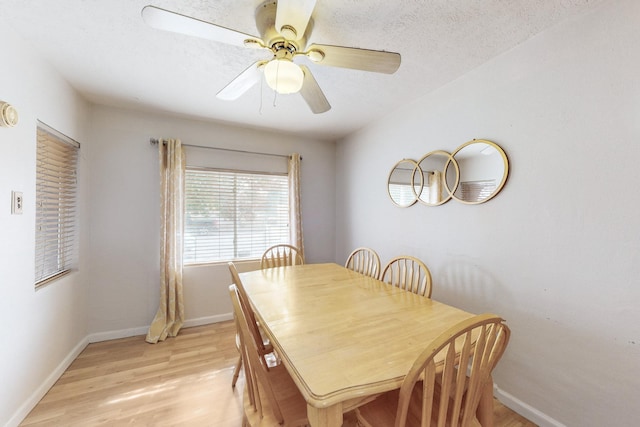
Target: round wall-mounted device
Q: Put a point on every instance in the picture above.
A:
(8, 115)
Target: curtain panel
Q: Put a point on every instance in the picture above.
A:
(295, 211)
(170, 315)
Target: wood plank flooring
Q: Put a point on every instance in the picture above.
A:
(184, 381)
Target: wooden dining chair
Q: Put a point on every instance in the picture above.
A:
(365, 261)
(236, 370)
(264, 348)
(281, 255)
(445, 384)
(408, 273)
(270, 397)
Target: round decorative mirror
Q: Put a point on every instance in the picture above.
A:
(403, 189)
(483, 168)
(432, 167)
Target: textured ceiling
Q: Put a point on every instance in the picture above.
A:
(105, 50)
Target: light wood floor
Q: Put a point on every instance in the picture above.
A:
(184, 381)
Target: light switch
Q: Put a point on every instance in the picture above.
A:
(16, 202)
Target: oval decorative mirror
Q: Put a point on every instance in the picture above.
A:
(483, 168)
(402, 189)
(432, 167)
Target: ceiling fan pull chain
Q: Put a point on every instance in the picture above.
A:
(275, 92)
(261, 94)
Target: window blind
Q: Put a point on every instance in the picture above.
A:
(56, 194)
(233, 215)
(475, 191)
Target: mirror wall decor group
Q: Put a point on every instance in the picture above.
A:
(474, 173)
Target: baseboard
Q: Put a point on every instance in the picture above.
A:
(142, 330)
(39, 393)
(527, 411)
(207, 320)
(114, 335)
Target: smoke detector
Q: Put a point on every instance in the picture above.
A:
(8, 115)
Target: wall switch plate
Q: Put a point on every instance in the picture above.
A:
(16, 202)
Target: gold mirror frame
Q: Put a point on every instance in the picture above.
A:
(435, 177)
(401, 186)
(461, 185)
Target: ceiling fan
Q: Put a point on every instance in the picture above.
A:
(284, 28)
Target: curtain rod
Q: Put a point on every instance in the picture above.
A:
(155, 141)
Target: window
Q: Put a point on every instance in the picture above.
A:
(56, 194)
(233, 215)
(476, 191)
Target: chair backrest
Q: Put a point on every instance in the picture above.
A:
(447, 379)
(408, 273)
(244, 300)
(365, 261)
(255, 371)
(281, 255)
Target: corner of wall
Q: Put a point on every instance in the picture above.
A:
(39, 393)
(527, 411)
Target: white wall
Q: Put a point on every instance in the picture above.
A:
(557, 253)
(44, 329)
(124, 205)
(115, 290)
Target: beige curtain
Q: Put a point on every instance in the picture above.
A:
(295, 212)
(170, 315)
(435, 187)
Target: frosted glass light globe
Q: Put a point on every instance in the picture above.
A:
(284, 76)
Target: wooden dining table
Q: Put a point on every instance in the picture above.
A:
(345, 337)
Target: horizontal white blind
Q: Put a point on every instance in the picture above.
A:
(232, 215)
(476, 191)
(56, 187)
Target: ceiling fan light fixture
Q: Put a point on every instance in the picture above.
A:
(284, 76)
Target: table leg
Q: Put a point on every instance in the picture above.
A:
(325, 417)
(485, 408)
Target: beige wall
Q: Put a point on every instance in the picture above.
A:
(42, 330)
(557, 253)
(123, 207)
(114, 293)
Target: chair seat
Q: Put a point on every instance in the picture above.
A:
(381, 412)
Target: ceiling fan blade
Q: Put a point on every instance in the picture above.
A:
(296, 14)
(163, 19)
(312, 93)
(377, 61)
(242, 83)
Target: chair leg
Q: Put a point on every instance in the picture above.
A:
(236, 372)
